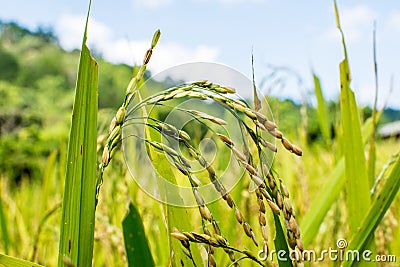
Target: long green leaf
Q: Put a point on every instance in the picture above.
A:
(357, 193)
(178, 217)
(357, 180)
(372, 146)
(281, 244)
(174, 214)
(367, 127)
(380, 205)
(78, 209)
(312, 220)
(318, 209)
(136, 245)
(15, 262)
(357, 189)
(323, 202)
(48, 179)
(4, 228)
(322, 110)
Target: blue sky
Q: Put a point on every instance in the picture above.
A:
(300, 35)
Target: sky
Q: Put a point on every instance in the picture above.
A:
(300, 36)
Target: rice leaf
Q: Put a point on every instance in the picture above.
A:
(136, 244)
(372, 146)
(8, 261)
(357, 180)
(4, 228)
(281, 244)
(318, 209)
(323, 202)
(380, 205)
(48, 179)
(367, 127)
(78, 208)
(357, 189)
(257, 102)
(42, 223)
(322, 110)
(175, 216)
(328, 195)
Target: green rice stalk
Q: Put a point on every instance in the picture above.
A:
(206, 90)
(216, 241)
(115, 132)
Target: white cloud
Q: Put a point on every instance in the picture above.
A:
(394, 21)
(121, 50)
(163, 3)
(152, 3)
(233, 2)
(356, 22)
(70, 31)
(241, 1)
(171, 54)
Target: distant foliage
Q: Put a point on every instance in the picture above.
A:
(37, 78)
(13, 32)
(8, 65)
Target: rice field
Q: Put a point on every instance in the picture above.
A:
(219, 184)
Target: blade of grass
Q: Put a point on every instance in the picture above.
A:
(8, 261)
(40, 227)
(357, 189)
(257, 102)
(380, 205)
(318, 209)
(78, 208)
(4, 228)
(357, 181)
(357, 194)
(372, 147)
(47, 182)
(323, 201)
(136, 244)
(281, 244)
(327, 196)
(175, 216)
(322, 110)
(367, 127)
